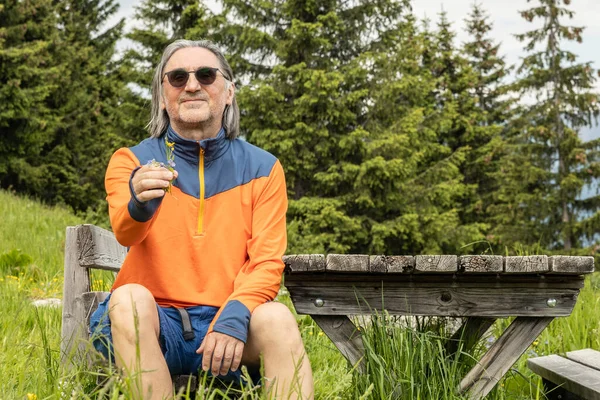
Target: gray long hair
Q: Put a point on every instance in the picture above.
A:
(159, 120)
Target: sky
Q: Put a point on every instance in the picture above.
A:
(505, 17)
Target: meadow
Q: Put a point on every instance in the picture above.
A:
(412, 365)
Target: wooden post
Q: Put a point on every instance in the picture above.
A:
(469, 334)
(502, 355)
(76, 282)
(344, 335)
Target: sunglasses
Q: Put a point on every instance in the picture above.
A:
(179, 77)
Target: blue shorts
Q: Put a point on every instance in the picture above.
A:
(179, 353)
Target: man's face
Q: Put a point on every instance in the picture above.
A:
(195, 105)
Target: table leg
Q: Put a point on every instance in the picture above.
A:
(469, 333)
(344, 335)
(502, 355)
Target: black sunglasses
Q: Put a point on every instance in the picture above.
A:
(205, 75)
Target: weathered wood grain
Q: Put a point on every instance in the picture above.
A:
(347, 263)
(526, 264)
(98, 248)
(491, 281)
(345, 336)
(482, 378)
(587, 357)
(481, 264)
(469, 334)
(89, 303)
(570, 375)
(304, 262)
(76, 282)
(391, 264)
(406, 299)
(436, 264)
(571, 265)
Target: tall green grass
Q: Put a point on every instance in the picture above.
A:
(401, 362)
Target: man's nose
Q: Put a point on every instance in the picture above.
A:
(192, 85)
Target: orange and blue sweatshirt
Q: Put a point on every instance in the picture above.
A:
(216, 240)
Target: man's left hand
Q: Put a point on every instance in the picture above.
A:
(221, 353)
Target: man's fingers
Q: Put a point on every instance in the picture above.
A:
(237, 356)
(227, 358)
(217, 357)
(209, 345)
(149, 184)
(150, 194)
(162, 173)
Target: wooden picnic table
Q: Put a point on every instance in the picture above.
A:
(534, 289)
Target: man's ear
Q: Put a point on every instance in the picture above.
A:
(230, 87)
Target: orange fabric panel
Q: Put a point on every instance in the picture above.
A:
(237, 257)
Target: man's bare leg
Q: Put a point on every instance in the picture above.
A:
(149, 368)
(274, 334)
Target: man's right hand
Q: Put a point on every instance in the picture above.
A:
(150, 182)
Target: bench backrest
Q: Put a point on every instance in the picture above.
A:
(86, 247)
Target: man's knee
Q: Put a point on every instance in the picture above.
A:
(274, 324)
(129, 305)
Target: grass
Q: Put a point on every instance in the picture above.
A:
(412, 365)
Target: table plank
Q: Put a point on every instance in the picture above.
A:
(526, 264)
(348, 263)
(588, 357)
(392, 264)
(436, 264)
(570, 375)
(571, 265)
(435, 280)
(331, 298)
(305, 262)
(502, 355)
(481, 264)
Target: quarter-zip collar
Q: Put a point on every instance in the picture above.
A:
(189, 149)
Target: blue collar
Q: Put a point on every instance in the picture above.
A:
(189, 150)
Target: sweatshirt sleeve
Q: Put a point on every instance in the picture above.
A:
(130, 218)
(260, 278)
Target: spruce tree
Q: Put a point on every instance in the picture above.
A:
(493, 104)
(546, 174)
(28, 77)
(414, 170)
(69, 111)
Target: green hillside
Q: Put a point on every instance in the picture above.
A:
(31, 228)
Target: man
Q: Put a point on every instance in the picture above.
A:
(206, 240)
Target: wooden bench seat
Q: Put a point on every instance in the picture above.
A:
(575, 377)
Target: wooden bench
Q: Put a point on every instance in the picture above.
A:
(572, 378)
(90, 247)
(534, 289)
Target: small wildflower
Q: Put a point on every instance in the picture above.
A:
(31, 396)
(320, 333)
(310, 333)
(170, 165)
(535, 343)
